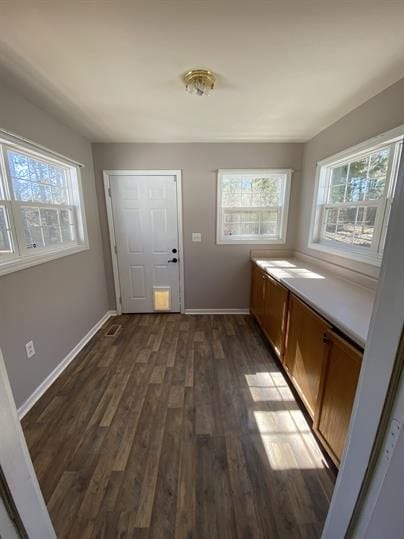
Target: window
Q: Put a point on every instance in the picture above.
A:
(252, 206)
(41, 212)
(353, 199)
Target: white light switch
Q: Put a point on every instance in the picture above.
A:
(196, 236)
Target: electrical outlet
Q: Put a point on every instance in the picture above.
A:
(30, 349)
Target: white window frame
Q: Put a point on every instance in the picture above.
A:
(221, 239)
(374, 254)
(22, 257)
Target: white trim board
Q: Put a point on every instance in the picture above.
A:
(16, 464)
(57, 371)
(110, 218)
(217, 311)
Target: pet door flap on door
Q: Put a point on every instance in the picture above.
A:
(162, 298)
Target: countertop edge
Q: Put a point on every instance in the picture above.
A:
(336, 322)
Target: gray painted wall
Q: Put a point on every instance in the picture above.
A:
(379, 114)
(216, 276)
(55, 303)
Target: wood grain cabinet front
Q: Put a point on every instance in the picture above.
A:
(337, 394)
(305, 351)
(322, 365)
(274, 314)
(257, 292)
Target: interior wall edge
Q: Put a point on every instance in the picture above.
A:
(57, 371)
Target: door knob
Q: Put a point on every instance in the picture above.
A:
(173, 260)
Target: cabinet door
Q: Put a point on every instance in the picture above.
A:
(305, 351)
(274, 313)
(257, 292)
(337, 394)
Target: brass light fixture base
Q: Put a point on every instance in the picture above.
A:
(199, 81)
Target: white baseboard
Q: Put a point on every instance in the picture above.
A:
(57, 371)
(217, 311)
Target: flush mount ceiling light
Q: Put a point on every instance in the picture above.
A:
(199, 81)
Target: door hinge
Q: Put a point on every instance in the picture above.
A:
(120, 300)
(109, 192)
(116, 249)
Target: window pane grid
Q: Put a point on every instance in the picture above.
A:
(40, 208)
(352, 202)
(34, 180)
(47, 227)
(360, 179)
(6, 242)
(350, 226)
(251, 223)
(251, 205)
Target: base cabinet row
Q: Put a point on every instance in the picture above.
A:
(322, 365)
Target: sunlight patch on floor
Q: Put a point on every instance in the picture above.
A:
(288, 447)
(262, 394)
(285, 434)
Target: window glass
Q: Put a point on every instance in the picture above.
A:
(40, 207)
(353, 202)
(252, 205)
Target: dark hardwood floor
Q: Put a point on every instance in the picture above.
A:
(177, 427)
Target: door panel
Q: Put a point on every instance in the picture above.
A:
(257, 291)
(274, 318)
(305, 351)
(146, 232)
(337, 394)
(134, 233)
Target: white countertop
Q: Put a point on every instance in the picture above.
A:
(347, 305)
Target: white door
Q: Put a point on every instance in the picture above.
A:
(145, 216)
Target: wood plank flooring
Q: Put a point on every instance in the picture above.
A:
(177, 427)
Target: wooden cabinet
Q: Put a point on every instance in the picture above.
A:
(337, 393)
(269, 306)
(305, 351)
(274, 313)
(257, 292)
(323, 366)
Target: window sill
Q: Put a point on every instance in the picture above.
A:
(374, 260)
(278, 241)
(27, 262)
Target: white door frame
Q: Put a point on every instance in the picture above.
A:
(112, 237)
(17, 467)
(373, 388)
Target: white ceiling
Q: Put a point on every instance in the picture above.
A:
(286, 68)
